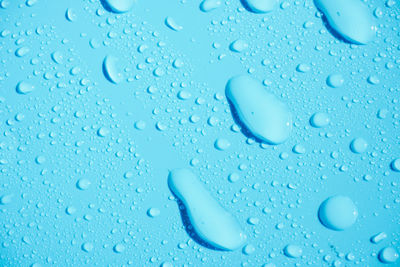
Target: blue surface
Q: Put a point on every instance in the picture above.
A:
(84, 161)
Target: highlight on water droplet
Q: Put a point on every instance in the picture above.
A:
(338, 213)
(260, 112)
(211, 222)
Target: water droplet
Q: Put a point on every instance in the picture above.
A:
(373, 79)
(358, 145)
(395, 165)
(262, 113)
(249, 249)
(212, 223)
(140, 125)
(233, 177)
(24, 88)
(349, 18)
(238, 46)
(119, 6)
(222, 144)
(111, 69)
(378, 237)
(293, 251)
(209, 5)
(153, 212)
(57, 57)
(119, 248)
(83, 184)
(70, 15)
(87, 247)
(6, 199)
(388, 255)
(103, 131)
(259, 6)
(22, 51)
(172, 24)
(338, 213)
(303, 68)
(319, 120)
(335, 80)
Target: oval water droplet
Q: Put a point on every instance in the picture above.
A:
(265, 116)
(212, 223)
(351, 19)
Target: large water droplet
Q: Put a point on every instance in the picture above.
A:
(260, 6)
(351, 19)
(338, 212)
(262, 113)
(212, 223)
(388, 255)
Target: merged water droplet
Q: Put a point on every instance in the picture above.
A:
(266, 117)
(212, 223)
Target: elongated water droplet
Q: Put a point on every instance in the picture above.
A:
(212, 223)
(262, 113)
